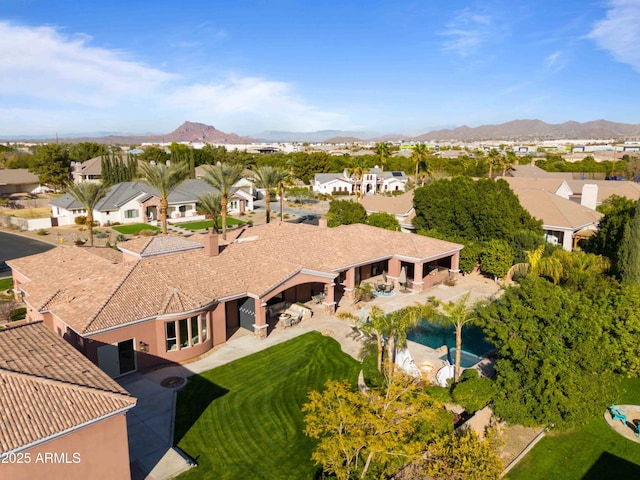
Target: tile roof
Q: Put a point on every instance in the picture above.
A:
(91, 296)
(607, 188)
(397, 205)
(15, 176)
(159, 245)
(533, 171)
(556, 211)
(49, 388)
(541, 183)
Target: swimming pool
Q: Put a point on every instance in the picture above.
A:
(435, 335)
(467, 359)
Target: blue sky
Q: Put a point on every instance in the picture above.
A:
(377, 66)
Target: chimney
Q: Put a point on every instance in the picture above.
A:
(589, 197)
(211, 244)
(322, 222)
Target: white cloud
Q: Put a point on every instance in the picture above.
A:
(619, 32)
(61, 82)
(555, 62)
(467, 31)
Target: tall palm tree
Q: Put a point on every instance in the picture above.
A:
(357, 173)
(494, 160)
(420, 154)
(211, 204)
(508, 162)
(165, 179)
(268, 177)
(458, 314)
(376, 327)
(397, 327)
(383, 150)
(88, 194)
(223, 177)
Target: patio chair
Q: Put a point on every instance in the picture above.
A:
(388, 288)
(618, 414)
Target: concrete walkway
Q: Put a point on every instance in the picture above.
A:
(150, 423)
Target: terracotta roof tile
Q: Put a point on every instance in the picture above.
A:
(49, 388)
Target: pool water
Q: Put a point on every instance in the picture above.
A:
(467, 359)
(435, 335)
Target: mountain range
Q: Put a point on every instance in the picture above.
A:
(516, 130)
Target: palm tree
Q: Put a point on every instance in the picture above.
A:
(420, 154)
(383, 150)
(211, 204)
(494, 160)
(285, 177)
(508, 162)
(397, 327)
(376, 327)
(165, 179)
(458, 314)
(357, 171)
(223, 177)
(268, 177)
(88, 194)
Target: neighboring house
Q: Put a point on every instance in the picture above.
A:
(373, 181)
(20, 180)
(136, 202)
(245, 183)
(62, 417)
(564, 221)
(171, 299)
(90, 170)
(401, 206)
(557, 186)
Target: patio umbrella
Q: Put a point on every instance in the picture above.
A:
(402, 279)
(363, 316)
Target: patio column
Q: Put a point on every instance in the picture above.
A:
(329, 301)
(418, 284)
(350, 282)
(454, 271)
(261, 325)
(394, 268)
(218, 320)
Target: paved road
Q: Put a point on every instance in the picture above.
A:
(16, 246)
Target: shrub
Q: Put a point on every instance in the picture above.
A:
(121, 238)
(101, 234)
(42, 231)
(81, 220)
(473, 392)
(18, 314)
(147, 233)
(79, 242)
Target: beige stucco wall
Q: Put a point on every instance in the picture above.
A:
(100, 452)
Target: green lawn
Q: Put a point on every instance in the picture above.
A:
(134, 228)
(243, 420)
(6, 283)
(208, 224)
(592, 452)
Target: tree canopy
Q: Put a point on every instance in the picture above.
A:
(345, 212)
(51, 163)
(384, 220)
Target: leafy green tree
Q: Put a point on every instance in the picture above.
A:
(83, 151)
(618, 212)
(471, 211)
(473, 392)
(345, 212)
(372, 435)
(51, 163)
(300, 194)
(555, 353)
(268, 178)
(154, 154)
(305, 166)
(211, 204)
(223, 178)
(496, 258)
(165, 179)
(384, 220)
(630, 250)
(88, 194)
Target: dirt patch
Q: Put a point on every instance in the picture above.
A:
(515, 439)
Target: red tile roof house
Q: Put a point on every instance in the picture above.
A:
(62, 417)
(170, 299)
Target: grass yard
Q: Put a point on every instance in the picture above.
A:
(592, 452)
(134, 228)
(243, 420)
(204, 224)
(6, 283)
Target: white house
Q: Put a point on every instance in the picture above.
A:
(136, 202)
(372, 182)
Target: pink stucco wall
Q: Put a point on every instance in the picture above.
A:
(100, 452)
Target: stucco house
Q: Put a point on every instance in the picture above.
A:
(19, 180)
(136, 202)
(62, 417)
(373, 181)
(169, 299)
(401, 206)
